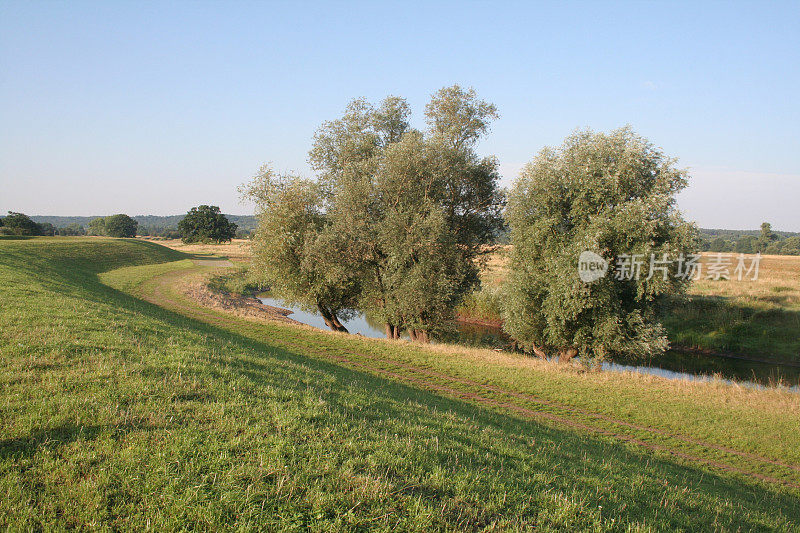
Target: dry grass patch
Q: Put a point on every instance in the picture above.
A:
(237, 250)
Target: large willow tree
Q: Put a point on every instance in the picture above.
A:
(612, 195)
(398, 218)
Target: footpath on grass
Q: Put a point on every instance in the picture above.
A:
(163, 289)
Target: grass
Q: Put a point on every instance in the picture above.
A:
(127, 406)
(238, 250)
(752, 318)
(758, 319)
(236, 282)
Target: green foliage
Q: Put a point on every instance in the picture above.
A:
(296, 252)
(485, 304)
(766, 238)
(395, 224)
(73, 229)
(120, 226)
(47, 229)
(612, 194)
(791, 246)
(774, 248)
(113, 226)
(720, 245)
(149, 225)
(206, 224)
(745, 245)
(97, 226)
(20, 224)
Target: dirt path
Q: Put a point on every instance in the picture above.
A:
(213, 262)
(447, 384)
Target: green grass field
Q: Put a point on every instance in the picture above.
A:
(127, 406)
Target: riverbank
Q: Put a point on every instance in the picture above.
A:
(678, 363)
(118, 387)
(757, 320)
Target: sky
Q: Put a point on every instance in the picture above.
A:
(155, 107)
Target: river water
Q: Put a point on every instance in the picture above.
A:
(672, 365)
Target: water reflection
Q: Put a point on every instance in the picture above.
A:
(359, 324)
(673, 364)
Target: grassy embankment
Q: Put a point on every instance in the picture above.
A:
(759, 318)
(127, 406)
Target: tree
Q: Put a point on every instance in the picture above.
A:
(399, 217)
(611, 194)
(97, 226)
(46, 228)
(746, 245)
(719, 245)
(295, 250)
(206, 224)
(415, 208)
(20, 224)
(120, 226)
(775, 248)
(72, 230)
(791, 246)
(766, 238)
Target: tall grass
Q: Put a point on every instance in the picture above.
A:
(482, 305)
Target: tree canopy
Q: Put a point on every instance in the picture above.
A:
(611, 194)
(20, 224)
(113, 226)
(120, 226)
(766, 238)
(206, 224)
(395, 223)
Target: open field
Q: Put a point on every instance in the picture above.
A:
(238, 250)
(760, 319)
(128, 406)
(750, 318)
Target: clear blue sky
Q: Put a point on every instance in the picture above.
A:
(151, 108)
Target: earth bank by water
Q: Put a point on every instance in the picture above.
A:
(672, 365)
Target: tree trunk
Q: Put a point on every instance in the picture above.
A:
(539, 353)
(392, 331)
(413, 334)
(565, 355)
(331, 320)
(337, 323)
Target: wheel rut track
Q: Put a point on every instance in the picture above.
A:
(422, 378)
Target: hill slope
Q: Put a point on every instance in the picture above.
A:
(120, 413)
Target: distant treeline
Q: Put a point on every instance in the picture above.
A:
(733, 241)
(149, 225)
(763, 240)
(711, 240)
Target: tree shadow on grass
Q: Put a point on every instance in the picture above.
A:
(578, 465)
(55, 437)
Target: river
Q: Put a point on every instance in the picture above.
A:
(672, 365)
